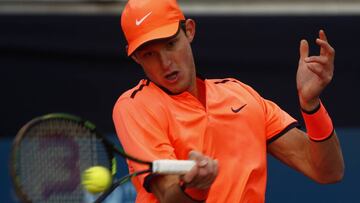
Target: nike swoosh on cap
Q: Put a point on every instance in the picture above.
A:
(138, 22)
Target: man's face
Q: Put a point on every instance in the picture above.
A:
(169, 62)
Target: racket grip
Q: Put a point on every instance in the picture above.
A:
(167, 166)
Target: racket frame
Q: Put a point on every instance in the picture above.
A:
(110, 148)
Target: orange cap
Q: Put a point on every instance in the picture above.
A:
(146, 20)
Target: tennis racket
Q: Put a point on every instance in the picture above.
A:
(50, 153)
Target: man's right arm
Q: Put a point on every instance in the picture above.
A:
(197, 182)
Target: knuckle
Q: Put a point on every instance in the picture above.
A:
(203, 173)
(329, 78)
(332, 50)
(193, 154)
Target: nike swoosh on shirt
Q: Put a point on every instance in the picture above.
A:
(138, 22)
(238, 109)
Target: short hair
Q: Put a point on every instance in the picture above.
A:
(183, 25)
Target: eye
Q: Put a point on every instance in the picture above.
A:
(172, 43)
(147, 54)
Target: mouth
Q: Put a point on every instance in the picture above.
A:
(172, 77)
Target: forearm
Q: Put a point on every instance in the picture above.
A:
(327, 160)
(167, 189)
(324, 149)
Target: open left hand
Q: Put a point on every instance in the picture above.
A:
(314, 72)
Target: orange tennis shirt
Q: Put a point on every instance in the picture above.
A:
(234, 128)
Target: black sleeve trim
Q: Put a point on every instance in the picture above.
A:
(289, 127)
(147, 182)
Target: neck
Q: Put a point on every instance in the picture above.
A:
(200, 91)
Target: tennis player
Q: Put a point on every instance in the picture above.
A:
(223, 124)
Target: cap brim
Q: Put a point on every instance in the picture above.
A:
(159, 33)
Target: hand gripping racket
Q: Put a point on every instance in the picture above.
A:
(50, 153)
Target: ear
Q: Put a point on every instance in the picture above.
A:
(190, 29)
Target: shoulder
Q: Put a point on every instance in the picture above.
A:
(133, 92)
(140, 107)
(142, 92)
(141, 97)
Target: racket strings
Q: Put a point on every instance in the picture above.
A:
(51, 158)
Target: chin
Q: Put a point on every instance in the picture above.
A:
(177, 90)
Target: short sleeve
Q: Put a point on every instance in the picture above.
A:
(277, 121)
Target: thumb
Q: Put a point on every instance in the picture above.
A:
(194, 155)
(200, 159)
(304, 49)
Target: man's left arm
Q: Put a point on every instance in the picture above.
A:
(320, 161)
(317, 153)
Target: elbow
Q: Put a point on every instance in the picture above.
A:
(331, 178)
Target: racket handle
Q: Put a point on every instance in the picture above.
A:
(167, 166)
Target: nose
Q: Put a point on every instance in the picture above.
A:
(165, 59)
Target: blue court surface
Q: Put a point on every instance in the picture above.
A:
(284, 184)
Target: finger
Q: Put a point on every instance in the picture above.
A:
(194, 155)
(304, 49)
(326, 48)
(203, 163)
(205, 173)
(216, 165)
(315, 68)
(200, 159)
(212, 174)
(317, 59)
(192, 177)
(198, 180)
(189, 176)
(201, 175)
(324, 75)
(206, 176)
(322, 35)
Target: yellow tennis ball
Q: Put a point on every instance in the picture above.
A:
(96, 179)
